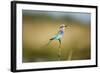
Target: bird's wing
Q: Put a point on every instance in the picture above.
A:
(56, 36)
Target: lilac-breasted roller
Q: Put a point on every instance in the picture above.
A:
(59, 35)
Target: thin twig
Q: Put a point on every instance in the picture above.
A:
(70, 55)
(59, 54)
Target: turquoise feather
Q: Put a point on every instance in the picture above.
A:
(58, 35)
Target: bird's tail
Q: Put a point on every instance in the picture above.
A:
(49, 42)
(46, 44)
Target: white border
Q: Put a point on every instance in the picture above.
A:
(21, 65)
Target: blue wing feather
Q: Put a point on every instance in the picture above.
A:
(58, 35)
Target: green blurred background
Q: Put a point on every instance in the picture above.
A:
(40, 26)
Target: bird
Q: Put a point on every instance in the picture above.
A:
(59, 35)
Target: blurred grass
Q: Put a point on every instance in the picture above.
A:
(38, 29)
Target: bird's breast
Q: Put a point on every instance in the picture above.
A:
(61, 32)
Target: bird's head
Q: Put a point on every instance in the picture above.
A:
(63, 26)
